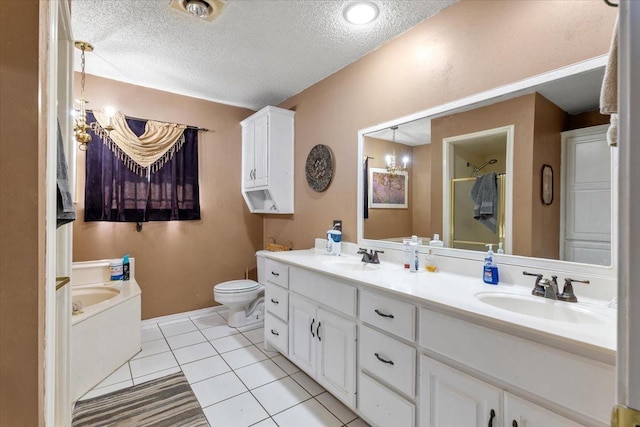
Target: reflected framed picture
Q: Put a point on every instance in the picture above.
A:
(388, 190)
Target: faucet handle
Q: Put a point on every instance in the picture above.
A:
(567, 291)
(374, 257)
(538, 289)
(362, 251)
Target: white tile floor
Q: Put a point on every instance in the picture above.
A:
(237, 382)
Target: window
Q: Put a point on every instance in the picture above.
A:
(114, 192)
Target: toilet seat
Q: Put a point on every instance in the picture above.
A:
(236, 286)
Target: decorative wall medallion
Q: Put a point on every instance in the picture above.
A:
(319, 167)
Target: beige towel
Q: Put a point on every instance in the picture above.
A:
(609, 91)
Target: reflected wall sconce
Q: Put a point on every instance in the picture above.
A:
(392, 166)
(547, 185)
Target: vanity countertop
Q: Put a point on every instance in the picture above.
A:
(457, 295)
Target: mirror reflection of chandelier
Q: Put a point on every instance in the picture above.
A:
(392, 166)
(80, 127)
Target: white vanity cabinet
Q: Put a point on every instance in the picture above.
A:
(420, 364)
(451, 398)
(267, 160)
(522, 413)
(387, 378)
(321, 341)
(276, 297)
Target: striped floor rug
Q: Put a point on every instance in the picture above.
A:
(165, 402)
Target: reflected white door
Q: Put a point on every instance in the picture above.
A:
(586, 196)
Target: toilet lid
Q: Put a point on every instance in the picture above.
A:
(237, 286)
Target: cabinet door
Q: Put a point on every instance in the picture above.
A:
(522, 413)
(248, 155)
(336, 355)
(302, 333)
(261, 150)
(451, 398)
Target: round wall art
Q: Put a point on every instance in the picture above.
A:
(319, 167)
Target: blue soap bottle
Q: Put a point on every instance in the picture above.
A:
(490, 273)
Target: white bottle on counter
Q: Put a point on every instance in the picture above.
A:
(414, 265)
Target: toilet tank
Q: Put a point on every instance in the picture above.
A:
(261, 260)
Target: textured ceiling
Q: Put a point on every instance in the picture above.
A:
(256, 53)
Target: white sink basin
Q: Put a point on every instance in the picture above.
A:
(543, 308)
(349, 264)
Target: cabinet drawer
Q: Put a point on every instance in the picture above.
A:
(277, 273)
(277, 301)
(276, 332)
(396, 317)
(325, 290)
(383, 407)
(389, 360)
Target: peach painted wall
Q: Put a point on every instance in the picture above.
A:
(545, 225)
(178, 262)
(386, 223)
(469, 47)
(22, 213)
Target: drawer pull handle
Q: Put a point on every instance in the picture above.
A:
(311, 328)
(275, 301)
(275, 332)
(318, 331)
(379, 313)
(492, 415)
(388, 362)
(275, 274)
(514, 423)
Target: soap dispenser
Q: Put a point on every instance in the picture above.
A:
(490, 272)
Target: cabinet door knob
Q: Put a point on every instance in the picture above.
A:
(275, 274)
(275, 332)
(311, 328)
(379, 313)
(388, 362)
(318, 331)
(492, 415)
(514, 423)
(275, 301)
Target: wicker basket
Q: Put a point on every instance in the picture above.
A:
(274, 247)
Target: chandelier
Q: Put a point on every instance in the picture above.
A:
(392, 166)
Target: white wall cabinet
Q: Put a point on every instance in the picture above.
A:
(267, 160)
(324, 345)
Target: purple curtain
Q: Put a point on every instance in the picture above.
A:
(115, 193)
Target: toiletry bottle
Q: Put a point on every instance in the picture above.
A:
(436, 241)
(415, 257)
(490, 274)
(500, 250)
(125, 267)
(431, 266)
(406, 244)
(334, 246)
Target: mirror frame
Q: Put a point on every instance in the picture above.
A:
(481, 99)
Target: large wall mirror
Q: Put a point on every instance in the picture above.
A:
(534, 151)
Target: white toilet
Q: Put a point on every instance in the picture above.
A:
(245, 300)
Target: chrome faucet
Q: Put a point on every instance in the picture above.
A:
(370, 257)
(544, 287)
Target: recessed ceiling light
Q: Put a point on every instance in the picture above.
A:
(361, 13)
(206, 10)
(197, 8)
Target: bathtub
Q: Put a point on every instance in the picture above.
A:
(105, 334)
